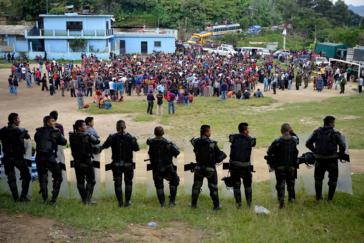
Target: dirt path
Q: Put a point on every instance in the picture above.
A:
(25, 228)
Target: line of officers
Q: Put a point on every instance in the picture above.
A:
(326, 144)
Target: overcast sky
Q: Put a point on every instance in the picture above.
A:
(353, 2)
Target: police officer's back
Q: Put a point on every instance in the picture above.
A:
(161, 153)
(240, 164)
(283, 155)
(47, 139)
(122, 146)
(208, 155)
(81, 149)
(325, 143)
(12, 139)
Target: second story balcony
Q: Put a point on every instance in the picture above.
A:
(53, 34)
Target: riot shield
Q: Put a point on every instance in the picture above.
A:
(344, 183)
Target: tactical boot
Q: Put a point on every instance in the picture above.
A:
(216, 207)
(248, 197)
(128, 192)
(318, 188)
(291, 195)
(194, 200)
(281, 203)
(89, 192)
(331, 193)
(172, 197)
(14, 190)
(44, 192)
(161, 197)
(237, 196)
(127, 204)
(119, 195)
(56, 188)
(24, 191)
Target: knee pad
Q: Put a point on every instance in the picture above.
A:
(175, 182)
(213, 187)
(332, 183)
(117, 181)
(197, 185)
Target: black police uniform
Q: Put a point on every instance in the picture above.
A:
(47, 139)
(81, 149)
(122, 146)
(161, 153)
(324, 143)
(12, 139)
(240, 166)
(207, 155)
(285, 153)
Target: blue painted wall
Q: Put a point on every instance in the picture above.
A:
(88, 22)
(133, 44)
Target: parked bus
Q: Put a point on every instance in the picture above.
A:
(199, 38)
(224, 29)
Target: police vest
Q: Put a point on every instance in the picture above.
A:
(13, 141)
(81, 146)
(122, 147)
(161, 152)
(241, 148)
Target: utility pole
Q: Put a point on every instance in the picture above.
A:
(284, 33)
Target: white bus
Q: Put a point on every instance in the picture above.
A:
(224, 29)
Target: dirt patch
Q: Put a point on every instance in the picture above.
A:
(175, 232)
(26, 228)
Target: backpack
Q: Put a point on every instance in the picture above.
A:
(44, 140)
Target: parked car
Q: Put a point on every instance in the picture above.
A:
(321, 60)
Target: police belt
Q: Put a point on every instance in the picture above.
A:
(240, 164)
(333, 156)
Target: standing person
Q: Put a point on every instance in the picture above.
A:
(171, 97)
(360, 84)
(208, 155)
(28, 78)
(73, 88)
(275, 83)
(80, 101)
(161, 153)
(122, 146)
(150, 99)
(12, 140)
(44, 82)
(47, 139)
(90, 127)
(11, 84)
(81, 149)
(15, 85)
(159, 97)
(224, 89)
(324, 143)
(240, 164)
(342, 84)
(284, 153)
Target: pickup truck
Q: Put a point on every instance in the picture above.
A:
(221, 50)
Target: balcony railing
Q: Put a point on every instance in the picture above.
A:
(69, 33)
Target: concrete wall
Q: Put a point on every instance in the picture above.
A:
(56, 46)
(133, 44)
(66, 56)
(99, 45)
(17, 43)
(88, 23)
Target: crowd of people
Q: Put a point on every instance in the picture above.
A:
(184, 75)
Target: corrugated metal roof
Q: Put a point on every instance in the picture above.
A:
(13, 29)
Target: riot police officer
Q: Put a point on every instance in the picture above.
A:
(324, 143)
(283, 153)
(240, 165)
(122, 145)
(161, 153)
(47, 139)
(207, 155)
(12, 138)
(81, 149)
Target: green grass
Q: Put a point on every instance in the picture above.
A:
(264, 117)
(305, 221)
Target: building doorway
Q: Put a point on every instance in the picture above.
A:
(122, 47)
(144, 47)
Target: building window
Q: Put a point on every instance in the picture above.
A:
(157, 44)
(74, 25)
